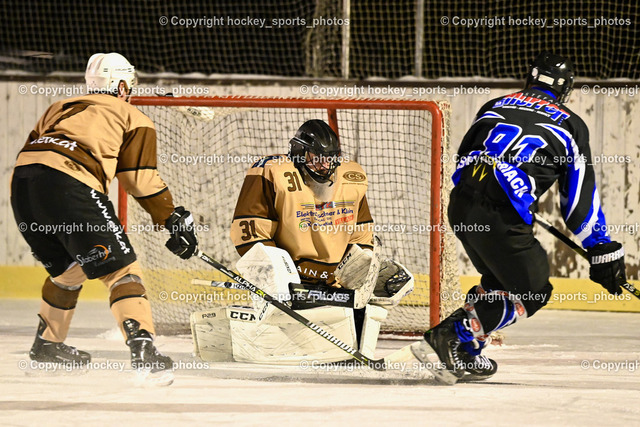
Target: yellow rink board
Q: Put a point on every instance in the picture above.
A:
(569, 294)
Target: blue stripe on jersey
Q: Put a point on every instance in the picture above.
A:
(593, 229)
(576, 168)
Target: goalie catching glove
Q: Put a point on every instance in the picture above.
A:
(607, 266)
(394, 283)
(183, 241)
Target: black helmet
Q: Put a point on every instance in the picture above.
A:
(318, 139)
(552, 72)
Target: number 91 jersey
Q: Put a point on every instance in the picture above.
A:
(276, 207)
(530, 140)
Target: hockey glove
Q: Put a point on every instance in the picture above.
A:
(607, 266)
(183, 241)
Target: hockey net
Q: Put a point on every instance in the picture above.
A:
(206, 145)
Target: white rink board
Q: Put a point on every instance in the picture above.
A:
(540, 381)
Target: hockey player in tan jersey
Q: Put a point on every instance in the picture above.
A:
(62, 176)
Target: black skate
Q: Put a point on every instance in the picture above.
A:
(151, 365)
(439, 352)
(56, 352)
(477, 368)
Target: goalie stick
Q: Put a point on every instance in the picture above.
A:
(573, 245)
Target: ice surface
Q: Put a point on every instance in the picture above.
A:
(557, 368)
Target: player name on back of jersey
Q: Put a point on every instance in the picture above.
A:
(553, 111)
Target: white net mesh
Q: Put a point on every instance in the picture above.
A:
(204, 154)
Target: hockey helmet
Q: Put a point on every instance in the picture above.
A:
(316, 148)
(552, 72)
(106, 70)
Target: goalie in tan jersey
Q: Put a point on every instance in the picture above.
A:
(59, 198)
(305, 233)
(314, 207)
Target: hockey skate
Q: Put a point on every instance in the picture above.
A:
(439, 352)
(56, 352)
(152, 367)
(477, 368)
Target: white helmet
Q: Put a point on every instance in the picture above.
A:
(106, 70)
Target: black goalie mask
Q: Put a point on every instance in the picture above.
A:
(316, 148)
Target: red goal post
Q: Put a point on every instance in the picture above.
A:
(341, 114)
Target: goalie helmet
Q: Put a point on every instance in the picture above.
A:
(316, 149)
(106, 70)
(552, 72)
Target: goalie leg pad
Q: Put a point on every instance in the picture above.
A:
(211, 334)
(233, 333)
(373, 316)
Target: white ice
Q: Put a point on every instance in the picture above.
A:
(557, 368)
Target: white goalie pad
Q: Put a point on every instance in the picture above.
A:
(270, 269)
(232, 334)
(227, 334)
(394, 283)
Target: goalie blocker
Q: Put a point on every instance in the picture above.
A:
(263, 334)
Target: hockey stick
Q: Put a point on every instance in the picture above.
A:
(214, 284)
(377, 364)
(573, 245)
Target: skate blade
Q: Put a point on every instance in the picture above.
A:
(146, 378)
(428, 357)
(470, 378)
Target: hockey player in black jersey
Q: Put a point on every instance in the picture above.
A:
(516, 148)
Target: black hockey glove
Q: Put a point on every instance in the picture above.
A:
(183, 241)
(607, 266)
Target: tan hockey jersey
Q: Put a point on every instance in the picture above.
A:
(96, 137)
(277, 208)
